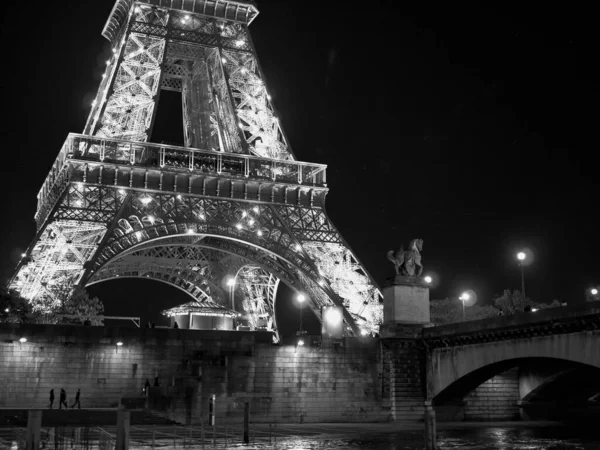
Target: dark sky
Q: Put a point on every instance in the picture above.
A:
(474, 130)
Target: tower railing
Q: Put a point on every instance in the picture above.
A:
(94, 149)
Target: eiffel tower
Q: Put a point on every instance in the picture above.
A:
(228, 216)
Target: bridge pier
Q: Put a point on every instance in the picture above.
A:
(430, 426)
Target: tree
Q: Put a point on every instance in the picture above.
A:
(513, 302)
(79, 307)
(13, 308)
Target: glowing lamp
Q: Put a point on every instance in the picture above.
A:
(231, 282)
(146, 200)
(223, 60)
(521, 256)
(23, 340)
(464, 296)
(119, 344)
(23, 255)
(239, 42)
(190, 231)
(256, 210)
(260, 233)
(300, 342)
(251, 222)
(534, 309)
(301, 298)
(428, 279)
(238, 226)
(594, 291)
(6, 310)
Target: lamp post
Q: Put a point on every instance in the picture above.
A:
(301, 298)
(463, 298)
(521, 256)
(231, 284)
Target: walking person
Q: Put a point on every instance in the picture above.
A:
(146, 386)
(51, 398)
(77, 400)
(62, 400)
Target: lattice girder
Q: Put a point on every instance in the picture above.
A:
(235, 185)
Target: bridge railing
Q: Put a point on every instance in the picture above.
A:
(169, 157)
(558, 316)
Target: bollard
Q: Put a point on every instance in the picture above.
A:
(174, 435)
(153, 434)
(246, 420)
(34, 425)
(430, 428)
(123, 419)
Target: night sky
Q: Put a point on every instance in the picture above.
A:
(474, 130)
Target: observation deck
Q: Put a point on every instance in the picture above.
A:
(230, 10)
(160, 167)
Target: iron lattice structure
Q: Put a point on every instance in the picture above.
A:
(234, 203)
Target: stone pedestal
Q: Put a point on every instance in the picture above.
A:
(405, 303)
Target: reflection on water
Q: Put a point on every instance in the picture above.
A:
(478, 438)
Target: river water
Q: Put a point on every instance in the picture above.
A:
(475, 437)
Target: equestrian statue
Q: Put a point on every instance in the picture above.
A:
(408, 262)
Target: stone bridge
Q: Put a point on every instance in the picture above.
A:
(515, 366)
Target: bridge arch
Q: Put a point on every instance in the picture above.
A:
(448, 366)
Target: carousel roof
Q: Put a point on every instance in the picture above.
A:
(206, 307)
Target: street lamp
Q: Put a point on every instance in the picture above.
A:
(301, 298)
(594, 291)
(521, 256)
(428, 279)
(231, 284)
(463, 298)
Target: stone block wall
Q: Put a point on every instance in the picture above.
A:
(494, 399)
(281, 383)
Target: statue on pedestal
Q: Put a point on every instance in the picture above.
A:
(408, 262)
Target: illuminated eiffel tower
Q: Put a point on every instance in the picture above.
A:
(232, 210)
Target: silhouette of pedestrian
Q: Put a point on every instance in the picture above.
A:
(527, 308)
(156, 382)
(146, 386)
(77, 399)
(62, 400)
(51, 398)
(175, 325)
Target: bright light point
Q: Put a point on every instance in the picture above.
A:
(238, 226)
(224, 60)
(256, 210)
(201, 216)
(94, 103)
(240, 125)
(190, 231)
(23, 340)
(321, 283)
(428, 279)
(268, 97)
(239, 42)
(6, 310)
(146, 200)
(119, 344)
(260, 233)
(300, 342)
(594, 291)
(78, 203)
(151, 219)
(251, 222)
(244, 71)
(298, 247)
(179, 197)
(465, 296)
(534, 309)
(23, 255)
(333, 316)
(364, 332)
(122, 191)
(244, 213)
(138, 9)
(231, 282)
(521, 256)
(138, 234)
(107, 61)
(301, 298)
(103, 75)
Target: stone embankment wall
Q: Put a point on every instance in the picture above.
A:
(281, 383)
